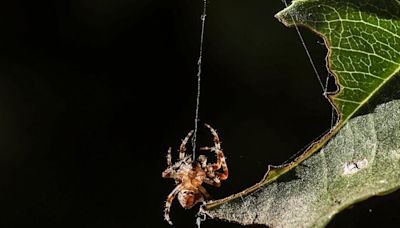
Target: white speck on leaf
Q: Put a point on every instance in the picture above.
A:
(353, 167)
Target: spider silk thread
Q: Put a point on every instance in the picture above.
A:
(196, 119)
(303, 43)
(324, 87)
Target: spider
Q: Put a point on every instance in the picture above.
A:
(189, 175)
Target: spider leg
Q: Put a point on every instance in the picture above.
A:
(216, 137)
(204, 192)
(211, 168)
(169, 158)
(168, 203)
(214, 182)
(169, 173)
(225, 174)
(221, 162)
(203, 161)
(182, 148)
(216, 166)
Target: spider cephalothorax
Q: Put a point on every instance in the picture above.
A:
(189, 175)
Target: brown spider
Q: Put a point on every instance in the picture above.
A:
(189, 175)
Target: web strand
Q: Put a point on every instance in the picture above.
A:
(333, 112)
(307, 52)
(324, 87)
(196, 119)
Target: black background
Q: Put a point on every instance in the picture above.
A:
(92, 93)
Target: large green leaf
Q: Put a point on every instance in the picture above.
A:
(363, 39)
(362, 160)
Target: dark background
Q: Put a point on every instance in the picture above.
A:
(92, 93)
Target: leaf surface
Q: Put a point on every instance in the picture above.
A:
(361, 161)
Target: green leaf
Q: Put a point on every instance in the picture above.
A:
(361, 161)
(363, 40)
(363, 37)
